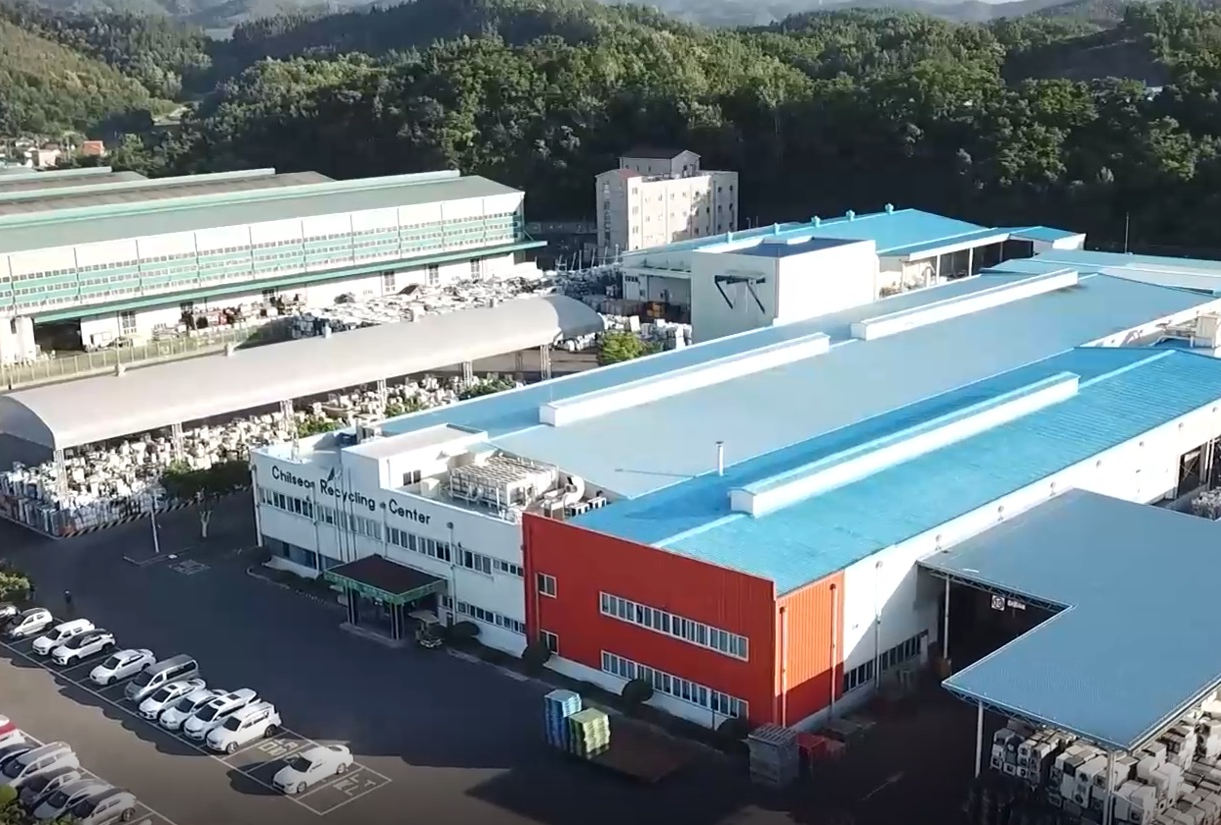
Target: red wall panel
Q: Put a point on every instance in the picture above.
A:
(586, 564)
(810, 635)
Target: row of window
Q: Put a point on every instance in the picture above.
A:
(481, 614)
(679, 688)
(905, 651)
(689, 630)
(493, 228)
(372, 528)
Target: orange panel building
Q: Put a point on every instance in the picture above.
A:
(613, 606)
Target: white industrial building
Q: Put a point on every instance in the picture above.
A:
(660, 196)
(875, 392)
(129, 259)
(909, 248)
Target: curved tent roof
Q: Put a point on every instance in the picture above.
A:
(61, 416)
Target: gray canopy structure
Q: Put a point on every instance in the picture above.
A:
(62, 416)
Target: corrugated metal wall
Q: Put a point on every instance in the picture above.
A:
(811, 632)
(586, 564)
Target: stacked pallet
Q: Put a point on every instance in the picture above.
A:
(559, 706)
(589, 733)
(775, 758)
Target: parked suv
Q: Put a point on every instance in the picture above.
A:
(250, 724)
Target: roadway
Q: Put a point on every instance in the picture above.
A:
(434, 734)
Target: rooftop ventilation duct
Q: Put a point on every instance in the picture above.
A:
(786, 489)
(903, 320)
(647, 390)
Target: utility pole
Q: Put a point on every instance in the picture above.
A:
(1127, 226)
(152, 518)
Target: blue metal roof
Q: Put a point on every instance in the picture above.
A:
(639, 450)
(1180, 273)
(1045, 234)
(1137, 646)
(891, 231)
(516, 410)
(800, 247)
(1134, 390)
(970, 238)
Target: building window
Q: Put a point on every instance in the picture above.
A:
(475, 561)
(858, 676)
(679, 688)
(434, 275)
(669, 624)
(508, 568)
(546, 585)
(482, 614)
(552, 641)
(388, 283)
(127, 322)
(476, 268)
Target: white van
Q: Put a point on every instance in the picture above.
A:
(59, 634)
(214, 714)
(250, 724)
(154, 676)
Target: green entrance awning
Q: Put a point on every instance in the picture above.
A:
(386, 581)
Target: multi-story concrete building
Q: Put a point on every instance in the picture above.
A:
(659, 196)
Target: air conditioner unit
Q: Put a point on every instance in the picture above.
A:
(597, 502)
(367, 432)
(576, 509)
(553, 509)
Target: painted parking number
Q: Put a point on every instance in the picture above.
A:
(354, 786)
(276, 748)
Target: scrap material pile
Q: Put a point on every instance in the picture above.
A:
(775, 755)
(106, 483)
(581, 732)
(1207, 504)
(1175, 780)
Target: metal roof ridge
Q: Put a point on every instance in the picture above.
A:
(195, 201)
(129, 185)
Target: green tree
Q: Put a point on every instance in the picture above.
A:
(621, 345)
(204, 487)
(14, 585)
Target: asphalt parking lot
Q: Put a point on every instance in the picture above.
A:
(143, 814)
(444, 738)
(259, 762)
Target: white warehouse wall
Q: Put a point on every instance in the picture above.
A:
(711, 316)
(826, 280)
(1143, 470)
(499, 591)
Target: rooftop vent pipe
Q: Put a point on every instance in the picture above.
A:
(850, 215)
(326, 330)
(119, 370)
(230, 350)
(775, 229)
(720, 458)
(890, 208)
(817, 221)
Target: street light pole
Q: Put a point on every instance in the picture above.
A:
(453, 574)
(152, 517)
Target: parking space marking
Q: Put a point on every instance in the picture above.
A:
(150, 816)
(330, 796)
(261, 771)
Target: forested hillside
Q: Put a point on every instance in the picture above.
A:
(1009, 122)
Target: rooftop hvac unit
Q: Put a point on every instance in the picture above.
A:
(576, 509)
(553, 509)
(428, 487)
(596, 502)
(367, 432)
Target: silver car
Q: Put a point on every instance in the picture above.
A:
(58, 803)
(40, 787)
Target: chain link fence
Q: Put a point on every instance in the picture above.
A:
(66, 367)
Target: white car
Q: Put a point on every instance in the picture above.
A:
(214, 714)
(82, 646)
(37, 761)
(121, 665)
(59, 634)
(165, 696)
(250, 724)
(113, 805)
(176, 714)
(28, 622)
(310, 767)
(58, 803)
